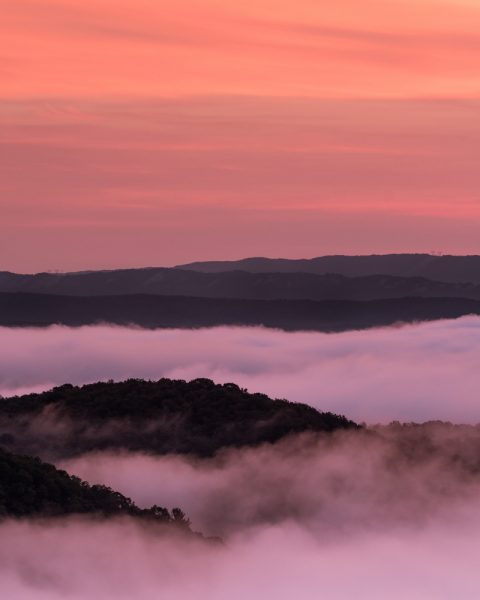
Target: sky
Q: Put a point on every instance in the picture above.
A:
(155, 133)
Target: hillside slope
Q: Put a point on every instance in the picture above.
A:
(32, 488)
(166, 416)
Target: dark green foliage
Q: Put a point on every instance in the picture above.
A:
(30, 487)
(166, 416)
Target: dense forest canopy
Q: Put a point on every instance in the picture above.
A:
(32, 488)
(166, 416)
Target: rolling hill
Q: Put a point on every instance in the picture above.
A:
(162, 417)
(235, 284)
(447, 268)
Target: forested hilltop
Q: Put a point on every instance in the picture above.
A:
(32, 488)
(166, 416)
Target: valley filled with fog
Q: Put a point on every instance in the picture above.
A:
(381, 511)
(346, 517)
(420, 372)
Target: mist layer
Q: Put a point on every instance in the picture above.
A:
(348, 518)
(411, 373)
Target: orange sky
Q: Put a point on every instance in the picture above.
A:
(149, 132)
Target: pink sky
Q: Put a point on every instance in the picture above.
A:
(156, 133)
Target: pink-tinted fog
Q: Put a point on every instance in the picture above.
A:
(111, 561)
(303, 519)
(417, 372)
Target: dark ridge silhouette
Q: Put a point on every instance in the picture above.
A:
(235, 284)
(453, 269)
(32, 488)
(162, 417)
(150, 311)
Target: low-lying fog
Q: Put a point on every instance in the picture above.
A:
(354, 515)
(337, 486)
(92, 561)
(409, 373)
(307, 518)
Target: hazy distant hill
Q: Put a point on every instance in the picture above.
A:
(152, 311)
(440, 268)
(234, 284)
(165, 416)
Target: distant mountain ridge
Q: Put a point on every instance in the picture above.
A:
(155, 311)
(447, 268)
(329, 293)
(234, 284)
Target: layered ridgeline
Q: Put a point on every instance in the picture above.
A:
(32, 488)
(156, 311)
(238, 283)
(163, 417)
(333, 293)
(447, 268)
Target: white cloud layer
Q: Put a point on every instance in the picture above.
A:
(417, 372)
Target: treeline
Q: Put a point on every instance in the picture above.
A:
(166, 416)
(32, 488)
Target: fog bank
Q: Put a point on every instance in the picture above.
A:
(337, 485)
(111, 561)
(415, 372)
(306, 519)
